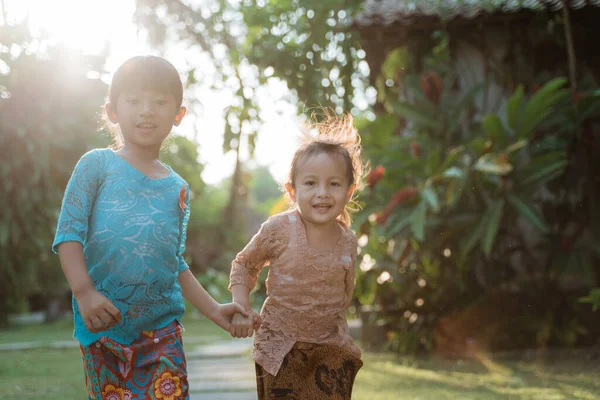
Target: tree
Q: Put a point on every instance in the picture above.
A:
(213, 30)
(48, 118)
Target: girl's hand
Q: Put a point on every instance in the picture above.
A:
(243, 326)
(97, 311)
(223, 314)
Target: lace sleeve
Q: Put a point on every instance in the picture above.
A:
(184, 205)
(78, 201)
(350, 275)
(256, 255)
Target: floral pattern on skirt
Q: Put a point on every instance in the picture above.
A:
(153, 367)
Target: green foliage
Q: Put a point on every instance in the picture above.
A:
(264, 191)
(593, 298)
(480, 220)
(309, 45)
(48, 119)
(181, 154)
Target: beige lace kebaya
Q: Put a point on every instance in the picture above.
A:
(309, 290)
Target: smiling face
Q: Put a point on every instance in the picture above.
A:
(145, 117)
(145, 100)
(321, 188)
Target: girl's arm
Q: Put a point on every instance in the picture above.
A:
(244, 273)
(97, 311)
(241, 295)
(191, 289)
(220, 314)
(350, 277)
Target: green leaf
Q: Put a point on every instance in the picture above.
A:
(462, 106)
(433, 161)
(541, 103)
(477, 145)
(528, 212)
(492, 225)
(473, 237)
(516, 146)
(513, 109)
(418, 221)
(397, 225)
(494, 127)
(429, 195)
(413, 114)
(545, 174)
(454, 172)
(593, 298)
(451, 158)
(493, 164)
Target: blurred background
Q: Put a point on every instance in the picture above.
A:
(479, 231)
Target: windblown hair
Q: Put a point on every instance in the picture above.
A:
(332, 135)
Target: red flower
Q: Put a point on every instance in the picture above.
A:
(375, 176)
(431, 85)
(398, 198)
(535, 87)
(182, 197)
(416, 149)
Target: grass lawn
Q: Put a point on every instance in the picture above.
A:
(385, 377)
(49, 373)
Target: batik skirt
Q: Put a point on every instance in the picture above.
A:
(152, 367)
(310, 372)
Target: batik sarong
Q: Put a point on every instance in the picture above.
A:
(152, 367)
(310, 372)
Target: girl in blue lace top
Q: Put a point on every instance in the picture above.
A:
(121, 237)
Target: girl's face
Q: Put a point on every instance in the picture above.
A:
(145, 117)
(321, 188)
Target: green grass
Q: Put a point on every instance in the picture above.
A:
(385, 377)
(48, 373)
(45, 333)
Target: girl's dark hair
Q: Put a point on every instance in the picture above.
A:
(333, 135)
(145, 73)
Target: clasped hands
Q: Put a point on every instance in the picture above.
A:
(243, 326)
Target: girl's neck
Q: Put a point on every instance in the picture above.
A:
(141, 154)
(322, 237)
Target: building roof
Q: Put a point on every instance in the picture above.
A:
(386, 12)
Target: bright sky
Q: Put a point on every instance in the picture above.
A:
(87, 25)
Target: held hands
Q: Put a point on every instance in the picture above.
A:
(97, 311)
(223, 313)
(242, 326)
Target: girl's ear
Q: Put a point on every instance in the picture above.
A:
(179, 116)
(290, 189)
(111, 112)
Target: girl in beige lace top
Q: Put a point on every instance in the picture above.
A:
(303, 349)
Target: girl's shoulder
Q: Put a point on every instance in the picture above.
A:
(98, 154)
(348, 242)
(95, 159)
(281, 222)
(177, 179)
